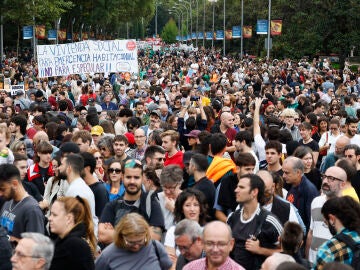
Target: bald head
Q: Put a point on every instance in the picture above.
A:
(338, 172)
(217, 227)
(341, 142)
(225, 116)
(295, 163)
(266, 177)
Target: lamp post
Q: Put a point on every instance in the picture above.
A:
(190, 12)
(187, 15)
(213, 22)
(224, 29)
(242, 26)
(204, 23)
(156, 17)
(268, 33)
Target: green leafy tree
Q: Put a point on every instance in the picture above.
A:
(169, 31)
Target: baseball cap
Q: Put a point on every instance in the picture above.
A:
(156, 112)
(97, 130)
(193, 134)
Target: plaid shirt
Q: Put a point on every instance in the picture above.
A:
(334, 250)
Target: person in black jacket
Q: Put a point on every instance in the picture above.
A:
(71, 220)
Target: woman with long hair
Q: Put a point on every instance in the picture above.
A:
(70, 219)
(133, 248)
(114, 185)
(190, 204)
(311, 172)
(99, 169)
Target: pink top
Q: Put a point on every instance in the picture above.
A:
(201, 264)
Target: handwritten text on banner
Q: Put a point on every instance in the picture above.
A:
(90, 56)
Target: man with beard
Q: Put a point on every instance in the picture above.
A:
(341, 215)
(351, 130)
(21, 212)
(269, 109)
(70, 169)
(120, 145)
(331, 158)
(333, 182)
(154, 157)
(153, 123)
(226, 127)
(134, 200)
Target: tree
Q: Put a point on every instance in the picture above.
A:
(170, 31)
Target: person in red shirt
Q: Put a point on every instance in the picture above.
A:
(170, 140)
(52, 99)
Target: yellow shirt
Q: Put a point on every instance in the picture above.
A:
(350, 192)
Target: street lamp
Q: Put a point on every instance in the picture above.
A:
(156, 17)
(187, 15)
(268, 34)
(224, 29)
(242, 34)
(213, 22)
(204, 23)
(190, 12)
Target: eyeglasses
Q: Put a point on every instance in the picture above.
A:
(330, 178)
(83, 113)
(21, 255)
(139, 137)
(334, 128)
(21, 149)
(134, 243)
(170, 188)
(220, 245)
(185, 248)
(103, 149)
(113, 170)
(98, 157)
(297, 119)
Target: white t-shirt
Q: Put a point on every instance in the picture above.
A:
(320, 231)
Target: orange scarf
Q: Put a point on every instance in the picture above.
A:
(219, 167)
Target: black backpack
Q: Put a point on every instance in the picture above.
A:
(355, 248)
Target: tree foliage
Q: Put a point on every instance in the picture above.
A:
(170, 31)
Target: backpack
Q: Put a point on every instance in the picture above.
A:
(355, 248)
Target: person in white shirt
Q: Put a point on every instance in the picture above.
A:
(70, 169)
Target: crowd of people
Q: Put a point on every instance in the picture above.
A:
(197, 162)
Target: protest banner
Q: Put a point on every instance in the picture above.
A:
(90, 56)
(15, 88)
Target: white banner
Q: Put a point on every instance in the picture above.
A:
(15, 88)
(90, 56)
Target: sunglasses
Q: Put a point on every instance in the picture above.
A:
(99, 158)
(112, 170)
